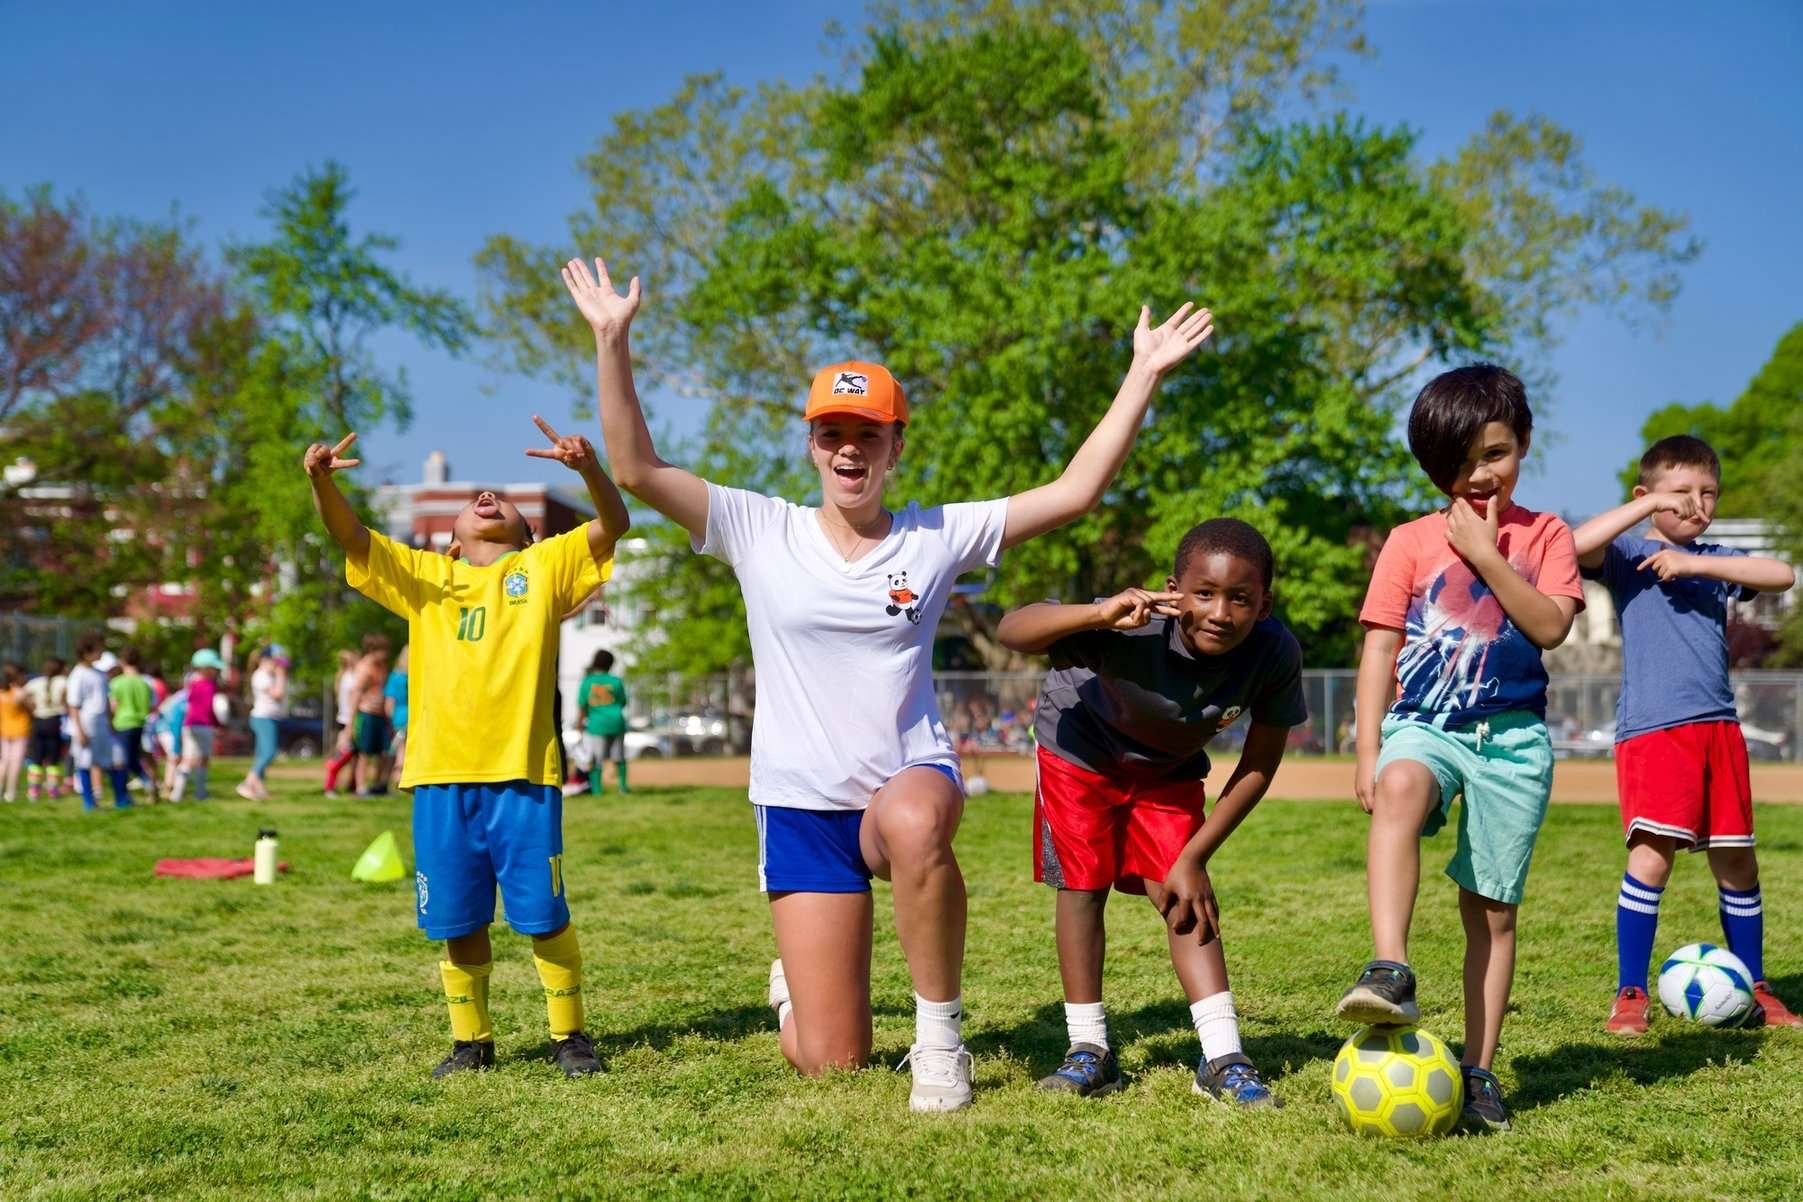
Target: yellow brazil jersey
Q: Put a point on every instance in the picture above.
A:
(482, 659)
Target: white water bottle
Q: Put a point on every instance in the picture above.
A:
(265, 873)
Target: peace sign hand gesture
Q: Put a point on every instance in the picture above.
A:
(607, 312)
(321, 461)
(1164, 347)
(572, 450)
(1132, 608)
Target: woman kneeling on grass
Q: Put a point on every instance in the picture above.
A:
(852, 771)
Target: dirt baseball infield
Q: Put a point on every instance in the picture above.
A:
(1297, 780)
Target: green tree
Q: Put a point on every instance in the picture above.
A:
(985, 201)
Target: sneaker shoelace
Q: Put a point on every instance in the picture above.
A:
(1240, 1077)
(1081, 1067)
(934, 1066)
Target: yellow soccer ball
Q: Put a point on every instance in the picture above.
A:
(1397, 1081)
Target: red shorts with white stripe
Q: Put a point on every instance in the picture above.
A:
(1687, 783)
(1091, 831)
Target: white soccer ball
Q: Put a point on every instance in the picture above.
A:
(976, 786)
(1707, 984)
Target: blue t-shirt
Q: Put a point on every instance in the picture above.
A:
(397, 689)
(1674, 638)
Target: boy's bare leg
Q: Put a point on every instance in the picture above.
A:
(1489, 971)
(473, 948)
(823, 940)
(1082, 938)
(1735, 868)
(1406, 793)
(1201, 968)
(1650, 858)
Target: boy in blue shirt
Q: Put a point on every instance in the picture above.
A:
(1680, 760)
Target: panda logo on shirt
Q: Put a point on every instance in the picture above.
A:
(902, 599)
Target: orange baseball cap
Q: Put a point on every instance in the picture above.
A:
(864, 389)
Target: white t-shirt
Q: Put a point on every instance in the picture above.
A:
(347, 697)
(843, 652)
(87, 692)
(262, 705)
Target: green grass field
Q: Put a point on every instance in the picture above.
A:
(194, 1039)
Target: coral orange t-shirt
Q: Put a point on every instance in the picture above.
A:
(1462, 658)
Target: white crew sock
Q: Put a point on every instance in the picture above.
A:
(938, 1024)
(1216, 1025)
(1087, 1022)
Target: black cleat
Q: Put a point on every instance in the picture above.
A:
(1383, 996)
(467, 1055)
(1089, 1071)
(575, 1055)
(1484, 1109)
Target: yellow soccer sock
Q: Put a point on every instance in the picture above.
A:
(466, 993)
(559, 962)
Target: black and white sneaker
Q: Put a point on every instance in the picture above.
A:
(1384, 996)
(575, 1055)
(1484, 1109)
(467, 1055)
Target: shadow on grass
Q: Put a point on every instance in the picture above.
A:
(1578, 1066)
(1153, 1036)
(1789, 989)
(720, 1025)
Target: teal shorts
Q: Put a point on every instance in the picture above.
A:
(1503, 767)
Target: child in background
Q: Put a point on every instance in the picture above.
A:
(1452, 700)
(484, 767)
(345, 691)
(601, 707)
(395, 696)
(1140, 683)
(268, 706)
(372, 732)
(46, 695)
(90, 724)
(15, 729)
(200, 724)
(171, 714)
(1680, 759)
(132, 699)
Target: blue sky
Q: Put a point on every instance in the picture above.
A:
(459, 120)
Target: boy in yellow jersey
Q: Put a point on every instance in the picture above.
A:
(482, 757)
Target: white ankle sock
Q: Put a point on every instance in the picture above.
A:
(1087, 1022)
(938, 1024)
(1216, 1025)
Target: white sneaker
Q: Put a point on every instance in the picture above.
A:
(779, 990)
(941, 1077)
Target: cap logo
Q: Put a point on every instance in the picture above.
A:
(851, 383)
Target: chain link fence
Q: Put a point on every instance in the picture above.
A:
(29, 639)
(992, 712)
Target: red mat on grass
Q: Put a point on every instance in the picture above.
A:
(210, 869)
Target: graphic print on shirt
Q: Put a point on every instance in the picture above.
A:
(1458, 646)
(515, 585)
(902, 599)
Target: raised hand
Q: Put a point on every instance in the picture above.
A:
(572, 450)
(605, 310)
(1163, 347)
(1132, 608)
(1472, 535)
(321, 461)
(1669, 564)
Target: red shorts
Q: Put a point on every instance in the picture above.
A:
(1688, 783)
(1091, 831)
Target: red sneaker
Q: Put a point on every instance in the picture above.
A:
(1776, 1014)
(1629, 1015)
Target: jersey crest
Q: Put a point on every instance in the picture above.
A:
(514, 584)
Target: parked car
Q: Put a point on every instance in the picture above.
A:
(640, 745)
(1762, 745)
(296, 735)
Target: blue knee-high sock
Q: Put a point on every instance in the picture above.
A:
(84, 781)
(1636, 923)
(1743, 925)
(121, 787)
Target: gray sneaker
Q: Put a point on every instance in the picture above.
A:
(941, 1077)
(1384, 995)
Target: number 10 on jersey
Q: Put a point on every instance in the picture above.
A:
(472, 624)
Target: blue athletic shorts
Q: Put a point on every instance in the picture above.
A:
(816, 851)
(467, 839)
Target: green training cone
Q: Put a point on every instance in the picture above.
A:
(380, 861)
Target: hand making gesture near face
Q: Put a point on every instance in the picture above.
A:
(572, 450)
(606, 311)
(1160, 348)
(1132, 608)
(1472, 535)
(321, 461)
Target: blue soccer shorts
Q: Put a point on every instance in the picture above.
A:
(469, 839)
(816, 851)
